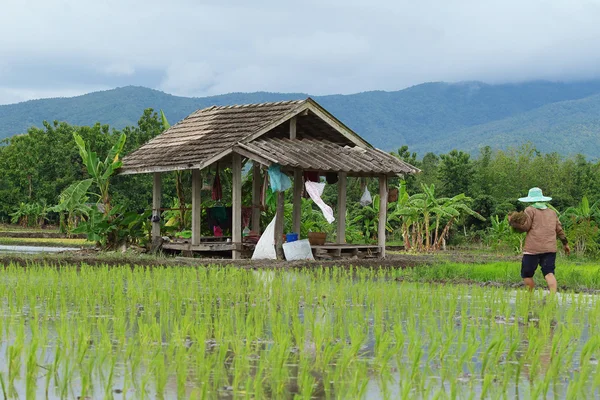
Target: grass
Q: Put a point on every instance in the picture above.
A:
(19, 228)
(576, 276)
(208, 332)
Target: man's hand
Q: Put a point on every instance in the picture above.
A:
(567, 249)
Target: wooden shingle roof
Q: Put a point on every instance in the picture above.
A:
(325, 156)
(259, 131)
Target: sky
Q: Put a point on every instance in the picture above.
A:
(58, 48)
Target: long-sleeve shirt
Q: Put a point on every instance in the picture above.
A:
(542, 227)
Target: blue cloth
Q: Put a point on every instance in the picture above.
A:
(280, 182)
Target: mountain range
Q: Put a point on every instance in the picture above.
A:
(436, 117)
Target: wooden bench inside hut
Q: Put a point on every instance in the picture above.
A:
(298, 136)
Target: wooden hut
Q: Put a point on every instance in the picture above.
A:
(300, 136)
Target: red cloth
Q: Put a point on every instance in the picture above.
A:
(312, 176)
(217, 191)
(246, 214)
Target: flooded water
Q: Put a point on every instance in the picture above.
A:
(229, 333)
(34, 249)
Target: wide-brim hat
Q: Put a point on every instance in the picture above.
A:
(535, 195)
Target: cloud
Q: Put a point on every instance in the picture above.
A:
(188, 78)
(201, 47)
(119, 69)
(10, 95)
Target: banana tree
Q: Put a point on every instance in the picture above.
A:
(581, 224)
(369, 219)
(453, 208)
(417, 211)
(101, 171)
(72, 202)
(405, 213)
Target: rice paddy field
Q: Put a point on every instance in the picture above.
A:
(96, 332)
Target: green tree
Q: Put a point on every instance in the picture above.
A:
(456, 173)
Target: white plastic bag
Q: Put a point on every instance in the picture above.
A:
(366, 198)
(298, 250)
(265, 248)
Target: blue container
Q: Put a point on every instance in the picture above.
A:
(291, 237)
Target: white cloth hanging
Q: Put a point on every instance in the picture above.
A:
(315, 190)
(265, 248)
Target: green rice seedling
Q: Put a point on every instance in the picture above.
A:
(32, 367)
(245, 333)
(305, 379)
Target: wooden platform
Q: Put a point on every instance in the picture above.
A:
(217, 247)
(328, 251)
(220, 247)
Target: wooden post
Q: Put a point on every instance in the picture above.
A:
(196, 206)
(383, 196)
(256, 189)
(156, 201)
(293, 128)
(236, 206)
(297, 211)
(279, 224)
(341, 203)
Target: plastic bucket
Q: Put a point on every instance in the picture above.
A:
(291, 237)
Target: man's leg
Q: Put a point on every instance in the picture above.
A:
(529, 282)
(528, 266)
(548, 263)
(552, 284)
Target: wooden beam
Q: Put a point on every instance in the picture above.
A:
(297, 211)
(383, 196)
(261, 158)
(236, 206)
(336, 124)
(156, 200)
(341, 206)
(224, 246)
(256, 191)
(279, 224)
(185, 167)
(293, 128)
(196, 206)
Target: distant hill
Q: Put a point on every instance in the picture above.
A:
(562, 117)
(567, 127)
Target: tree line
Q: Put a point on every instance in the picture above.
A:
(36, 167)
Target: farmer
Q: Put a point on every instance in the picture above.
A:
(543, 227)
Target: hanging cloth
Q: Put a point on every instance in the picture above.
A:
(280, 182)
(312, 176)
(315, 190)
(265, 248)
(331, 178)
(217, 191)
